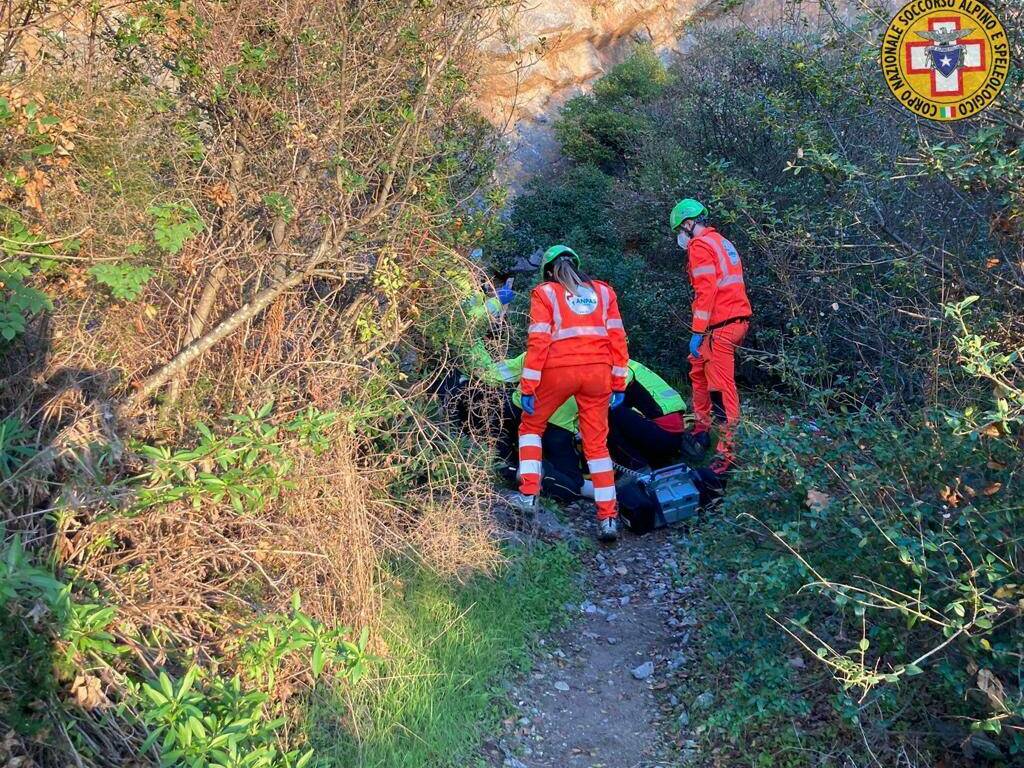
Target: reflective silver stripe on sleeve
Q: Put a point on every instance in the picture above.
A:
(619, 371)
(614, 323)
(605, 301)
(730, 280)
(604, 494)
(556, 311)
(531, 374)
(529, 441)
(587, 330)
(720, 252)
(530, 467)
(539, 328)
(703, 269)
(506, 373)
(700, 314)
(666, 393)
(600, 465)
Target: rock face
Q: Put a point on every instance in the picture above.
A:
(541, 52)
(543, 49)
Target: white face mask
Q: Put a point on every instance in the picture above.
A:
(682, 239)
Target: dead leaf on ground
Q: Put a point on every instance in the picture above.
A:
(992, 489)
(992, 687)
(35, 186)
(950, 496)
(990, 430)
(220, 194)
(818, 501)
(88, 692)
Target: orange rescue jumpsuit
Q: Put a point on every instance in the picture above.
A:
(576, 347)
(721, 311)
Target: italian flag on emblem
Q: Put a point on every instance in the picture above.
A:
(949, 111)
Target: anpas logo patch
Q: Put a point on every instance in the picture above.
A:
(583, 304)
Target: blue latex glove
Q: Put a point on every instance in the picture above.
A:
(695, 341)
(505, 295)
(617, 398)
(529, 403)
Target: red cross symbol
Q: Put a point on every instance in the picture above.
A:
(973, 59)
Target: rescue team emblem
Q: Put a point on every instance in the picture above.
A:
(945, 59)
(584, 304)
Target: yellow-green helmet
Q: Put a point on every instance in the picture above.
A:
(554, 252)
(686, 209)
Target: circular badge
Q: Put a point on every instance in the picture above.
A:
(945, 59)
(583, 303)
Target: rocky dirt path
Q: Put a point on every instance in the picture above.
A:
(599, 695)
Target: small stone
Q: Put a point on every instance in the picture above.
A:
(705, 700)
(657, 593)
(611, 617)
(644, 671)
(624, 600)
(684, 719)
(621, 570)
(613, 640)
(797, 662)
(561, 685)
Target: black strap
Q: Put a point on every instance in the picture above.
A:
(716, 326)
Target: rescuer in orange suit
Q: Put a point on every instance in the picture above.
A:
(721, 319)
(575, 347)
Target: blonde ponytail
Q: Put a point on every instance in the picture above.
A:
(565, 272)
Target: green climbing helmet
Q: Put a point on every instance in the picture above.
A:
(686, 209)
(554, 252)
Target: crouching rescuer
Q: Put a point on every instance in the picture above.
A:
(576, 347)
(721, 319)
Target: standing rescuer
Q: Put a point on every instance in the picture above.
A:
(576, 347)
(721, 319)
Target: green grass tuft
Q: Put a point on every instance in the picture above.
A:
(448, 644)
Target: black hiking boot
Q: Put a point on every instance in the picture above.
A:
(694, 445)
(712, 479)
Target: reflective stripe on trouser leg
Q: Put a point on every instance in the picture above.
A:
(530, 464)
(604, 490)
(592, 400)
(721, 376)
(550, 394)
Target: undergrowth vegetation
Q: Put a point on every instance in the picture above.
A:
(864, 604)
(230, 270)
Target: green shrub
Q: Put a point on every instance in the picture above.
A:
(850, 214)
(125, 281)
(602, 127)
